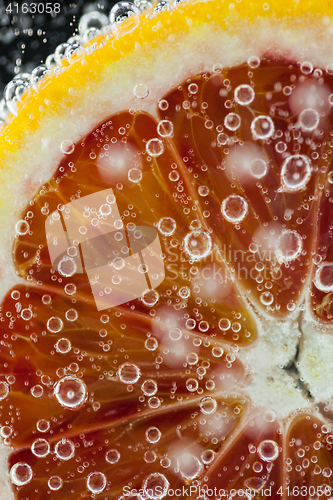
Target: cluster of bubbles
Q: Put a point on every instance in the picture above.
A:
(90, 25)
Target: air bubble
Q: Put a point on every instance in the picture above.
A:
(96, 482)
(295, 172)
(232, 121)
(208, 405)
(323, 279)
(309, 120)
(184, 292)
(93, 19)
(149, 387)
(198, 244)
(189, 466)
(122, 10)
(155, 147)
(224, 324)
(4, 390)
(262, 127)
(129, 373)
(217, 351)
(20, 474)
(266, 298)
(43, 425)
(268, 450)
(289, 246)
(55, 483)
(153, 434)
(155, 486)
(258, 168)
(203, 190)
(71, 392)
(64, 449)
(141, 91)
(167, 226)
(54, 324)
(165, 128)
(192, 384)
(112, 456)
(67, 267)
(150, 298)
(67, 147)
(40, 448)
(63, 346)
(151, 344)
(208, 456)
(244, 95)
(134, 175)
(234, 208)
(22, 227)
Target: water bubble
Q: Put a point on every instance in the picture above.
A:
(309, 119)
(63, 346)
(151, 344)
(167, 226)
(253, 62)
(266, 298)
(121, 10)
(154, 402)
(193, 88)
(208, 405)
(244, 95)
(129, 373)
(67, 267)
(71, 392)
(295, 172)
(40, 448)
(150, 298)
(93, 19)
(192, 384)
(175, 334)
(258, 168)
(232, 121)
(198, 244)
(161, 5)
(59, 53)
(4, 390)
(153, 434)
(71, 315)
(262, 127)
(268, 450)
(26, 314)
(55, 483)
(112, 456)
(141, 91)
(234, 208)
(134, 175)
(217, 351)
(184, 292)
(75, 49)
(96, 482)
(155, 147)
(203, 190)
(37, 391)
(67, 147)
(224, 324)
(14, 91)
(189, 466)
(289, 245)
(64, 449)
(306, 67)
(43, 425)
(323, 279)
(20, 474)
(22, 227)
(54, 324)
(149, 387)
(163, 105)
(155, 486)
(208, 456)
(165, 128)
(70, 289)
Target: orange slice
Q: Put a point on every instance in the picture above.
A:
(208, 124)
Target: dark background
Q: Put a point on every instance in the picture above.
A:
(26, 42)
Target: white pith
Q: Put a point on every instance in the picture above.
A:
(185, 56)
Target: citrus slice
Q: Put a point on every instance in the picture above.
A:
(167, 268)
